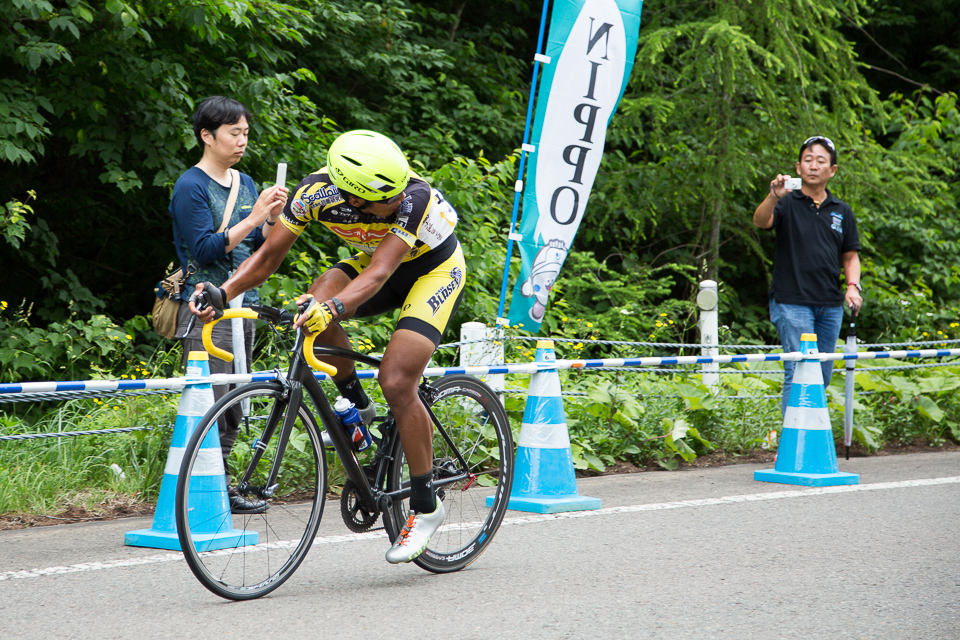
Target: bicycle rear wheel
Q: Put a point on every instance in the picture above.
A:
(245, 556)
(478, 428)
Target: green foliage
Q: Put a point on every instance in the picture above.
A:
(69, 350)
(908, 407)
(100, 96)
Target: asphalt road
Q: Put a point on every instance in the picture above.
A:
(701, 554)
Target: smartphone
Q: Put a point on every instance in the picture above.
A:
(793, 184)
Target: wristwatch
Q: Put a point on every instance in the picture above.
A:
(857, 285)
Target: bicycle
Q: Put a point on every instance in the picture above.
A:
(287, 468)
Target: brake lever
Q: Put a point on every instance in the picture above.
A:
(200, 304)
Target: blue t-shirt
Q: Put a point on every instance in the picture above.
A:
(196, 207)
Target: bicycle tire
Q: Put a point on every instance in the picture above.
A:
(476, 422)
(270, 545)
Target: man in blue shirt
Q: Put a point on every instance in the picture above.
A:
(198, 207)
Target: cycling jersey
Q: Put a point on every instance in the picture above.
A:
(424, 220)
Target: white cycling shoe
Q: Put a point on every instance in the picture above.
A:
(416, 534)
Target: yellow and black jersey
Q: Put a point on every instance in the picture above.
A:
(424, 220)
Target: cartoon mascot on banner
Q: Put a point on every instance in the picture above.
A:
(543, 273)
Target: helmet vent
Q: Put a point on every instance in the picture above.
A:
(355, 163)
(386, 179)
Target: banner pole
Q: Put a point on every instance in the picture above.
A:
(524, 148)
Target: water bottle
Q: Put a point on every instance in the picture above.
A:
(357, 432)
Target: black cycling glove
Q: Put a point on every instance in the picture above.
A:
(212, 296)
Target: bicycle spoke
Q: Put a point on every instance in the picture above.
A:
(269, 545)
(477, 432)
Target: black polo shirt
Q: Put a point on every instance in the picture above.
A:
(809, 243)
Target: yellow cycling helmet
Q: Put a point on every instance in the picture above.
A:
(368, 164)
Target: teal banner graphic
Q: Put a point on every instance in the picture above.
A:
(591, 48)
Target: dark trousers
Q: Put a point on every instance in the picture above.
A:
(229, 425)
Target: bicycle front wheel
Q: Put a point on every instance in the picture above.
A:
(479, 453)
(247, 555)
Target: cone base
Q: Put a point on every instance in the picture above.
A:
(203, 542)
(550, 504)
(806, 479)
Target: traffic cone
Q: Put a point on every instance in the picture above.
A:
(544, 480)
(210, 521)
(806, 455)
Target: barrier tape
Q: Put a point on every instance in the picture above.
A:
(477, 370)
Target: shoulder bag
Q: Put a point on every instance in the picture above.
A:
(166, 307)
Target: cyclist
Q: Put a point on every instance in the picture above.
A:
(408, 258)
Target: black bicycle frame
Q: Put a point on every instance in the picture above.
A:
(300, 376)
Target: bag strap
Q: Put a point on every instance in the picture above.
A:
(231, 200)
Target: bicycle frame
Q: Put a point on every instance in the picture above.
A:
(299, 378)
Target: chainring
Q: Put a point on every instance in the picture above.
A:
(355, 516)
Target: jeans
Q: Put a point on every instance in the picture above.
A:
(791, 321)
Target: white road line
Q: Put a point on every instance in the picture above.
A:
(510, 521)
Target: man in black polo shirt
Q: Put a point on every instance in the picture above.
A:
(816, 236)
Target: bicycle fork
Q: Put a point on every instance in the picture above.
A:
(288, 406)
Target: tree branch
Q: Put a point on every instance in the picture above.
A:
(864, 32)
(905, 79)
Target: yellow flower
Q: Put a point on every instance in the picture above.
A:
(663, 315)
(589, 324)
(129, 337)
(3, 304)
(564, 319)
(924, 334)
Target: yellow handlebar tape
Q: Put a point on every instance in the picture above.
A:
(312, 360)
(244, 312)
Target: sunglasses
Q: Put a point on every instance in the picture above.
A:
(826, 141)
(387, 201)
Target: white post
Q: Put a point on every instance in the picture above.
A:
(482, 353)
(709, 325)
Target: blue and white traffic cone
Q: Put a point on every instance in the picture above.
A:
(544, 480)
(807, 455)
(210, 521)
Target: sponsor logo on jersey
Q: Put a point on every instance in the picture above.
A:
(360, 234)
(325, 195)
(837, 224)
(437, 299)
